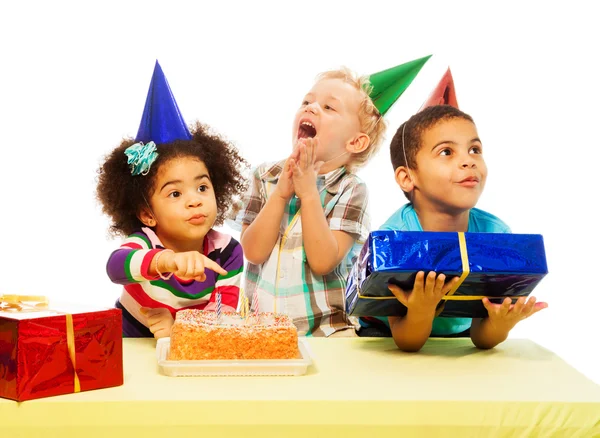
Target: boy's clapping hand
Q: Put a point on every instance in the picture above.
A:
(285, 185)
(306, 168)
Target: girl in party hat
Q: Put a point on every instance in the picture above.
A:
(165, 191)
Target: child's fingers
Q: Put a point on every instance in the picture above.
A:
(179, 267)
(214, 266)
(497, 309)
(298, 160)
(303, 156)
(150, 312)
(527, 306)
(430, 283)
(152, 328)
(158, 317)
(533, 306)
(198, 265)
(538, 306)
(297, 171)
(152, 321)
(449, 285)
(190, 269)
(398, 293)
(311, 157)
(519, 306)
(160, 331)
(296, 148)
(419, 284)
(308, 152)
(291, 167)
(505, 306)
(487, 304)
(439, 284)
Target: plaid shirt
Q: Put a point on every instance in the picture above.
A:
(285, 282)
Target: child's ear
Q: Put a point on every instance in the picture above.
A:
(147, 218)
(358, 144)
(404, 179)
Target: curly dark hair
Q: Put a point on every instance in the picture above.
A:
(123, 195)
(413, 131)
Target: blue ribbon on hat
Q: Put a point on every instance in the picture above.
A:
(140, 157)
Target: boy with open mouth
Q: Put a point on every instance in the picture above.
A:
(305, 218)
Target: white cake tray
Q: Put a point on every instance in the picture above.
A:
(248, 367)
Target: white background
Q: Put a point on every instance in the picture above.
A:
(74, 78)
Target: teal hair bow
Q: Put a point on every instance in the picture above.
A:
(140, 157)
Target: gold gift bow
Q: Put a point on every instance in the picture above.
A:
(464, 256)
(19, 303)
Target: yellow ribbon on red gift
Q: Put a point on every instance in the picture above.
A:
(36, 303)
(71, 348)
(464, 256)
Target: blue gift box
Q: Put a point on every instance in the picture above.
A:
(492, 265)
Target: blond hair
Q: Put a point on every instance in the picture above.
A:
(371, 121)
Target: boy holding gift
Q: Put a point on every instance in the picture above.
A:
(438, 163)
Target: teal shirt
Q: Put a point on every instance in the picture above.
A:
(406, 219)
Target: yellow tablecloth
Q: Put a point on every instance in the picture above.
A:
(355, 388)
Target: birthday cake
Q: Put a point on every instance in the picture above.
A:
(203, 335)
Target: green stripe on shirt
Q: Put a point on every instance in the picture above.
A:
(180, 294)
(128, 266)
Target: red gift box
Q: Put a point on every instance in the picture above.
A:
(59, 351)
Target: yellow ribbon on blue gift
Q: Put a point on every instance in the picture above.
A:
(37, 303)
(464, 257)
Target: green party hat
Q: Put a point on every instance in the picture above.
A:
(388, 85)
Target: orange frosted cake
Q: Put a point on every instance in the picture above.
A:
(200, 335)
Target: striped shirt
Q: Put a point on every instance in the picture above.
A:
(285, 282)
(129, 266)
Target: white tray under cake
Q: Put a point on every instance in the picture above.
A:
(247, 367)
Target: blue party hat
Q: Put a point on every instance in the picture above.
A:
(162, 121)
